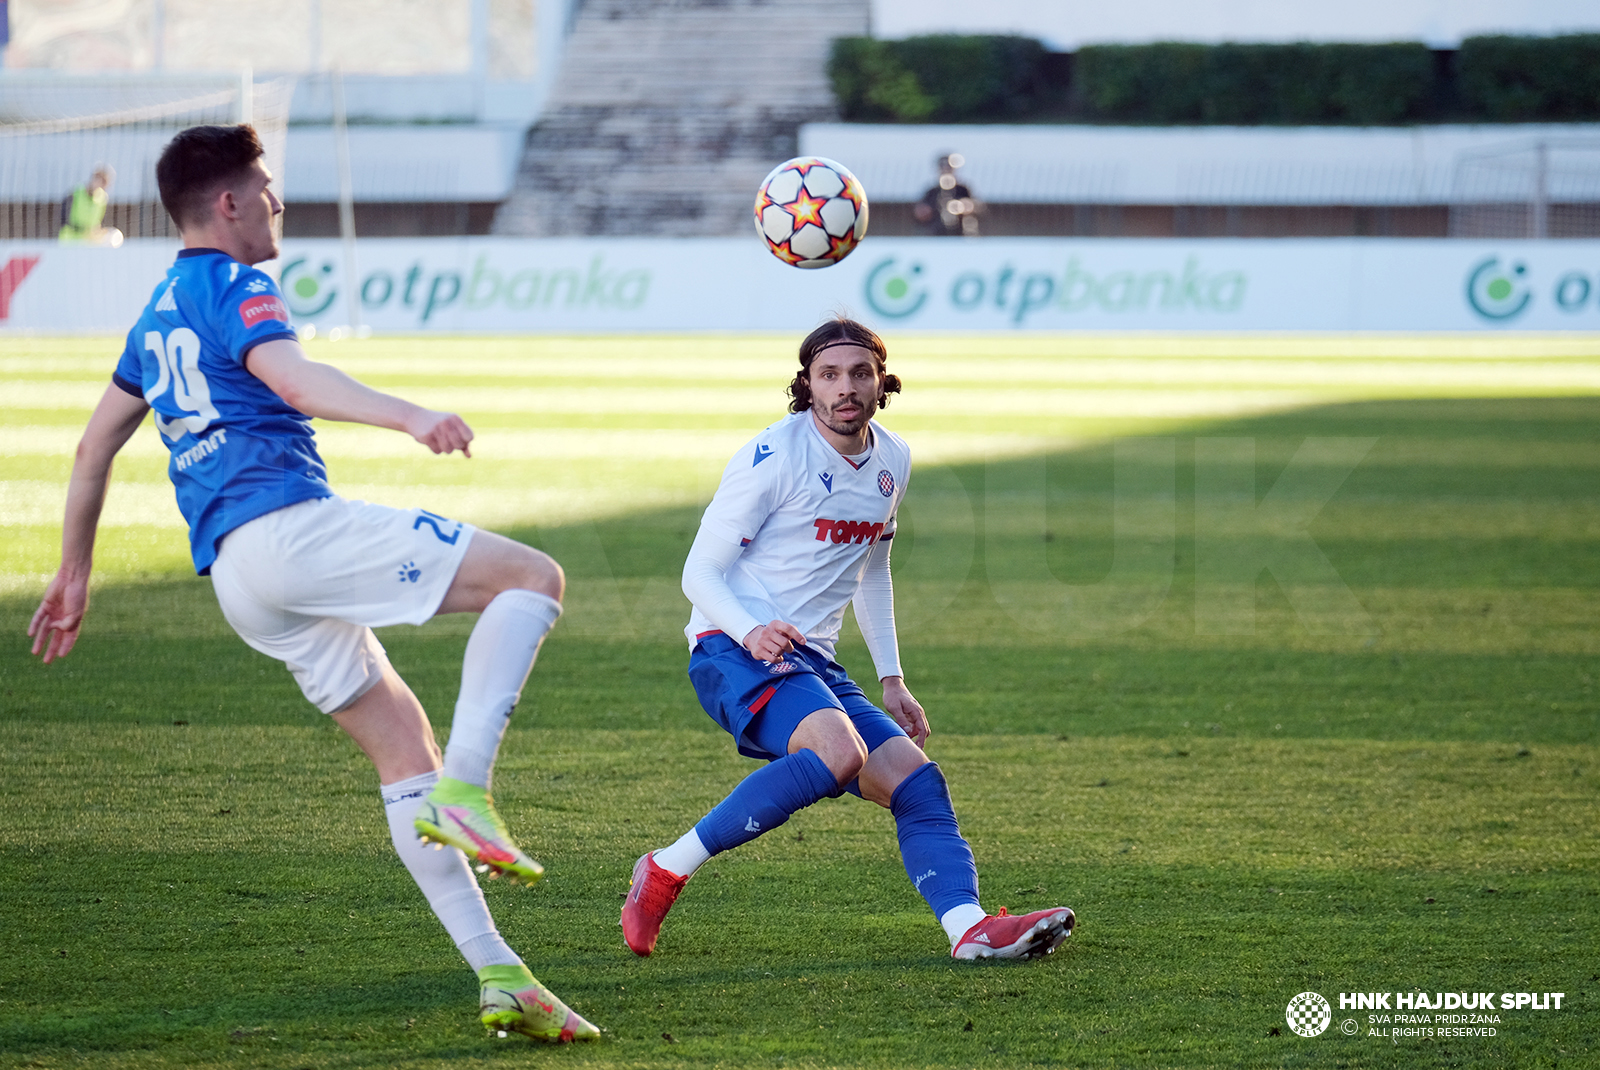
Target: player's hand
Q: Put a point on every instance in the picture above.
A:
(54, 627)
(770, 642)
(906, 710)
(441, 432)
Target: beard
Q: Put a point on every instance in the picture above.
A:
(841, 426)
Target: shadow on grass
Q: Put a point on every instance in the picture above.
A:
(1433, 573)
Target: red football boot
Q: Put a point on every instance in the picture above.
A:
(1028, 936)
(651, 895)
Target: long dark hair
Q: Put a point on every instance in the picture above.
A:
(840, 331)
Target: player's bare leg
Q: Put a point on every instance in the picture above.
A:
(391, 728)
(829, 735)
(888, 767)
(388, 723)
(518, 590)
(493, 564)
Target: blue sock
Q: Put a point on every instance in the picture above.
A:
(938, 860)
(765, 799)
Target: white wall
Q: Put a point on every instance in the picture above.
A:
(1264, 165)
(1067, 24)
(468, 162)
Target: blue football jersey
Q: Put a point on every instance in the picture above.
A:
(238, 450)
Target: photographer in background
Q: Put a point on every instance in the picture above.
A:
(948, 209)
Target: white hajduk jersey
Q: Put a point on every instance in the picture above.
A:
(807, 517)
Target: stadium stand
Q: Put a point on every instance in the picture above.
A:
(667, 114)
(659, 117)
(439, 102)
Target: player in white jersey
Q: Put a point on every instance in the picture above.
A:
(303, 575)
(801, 526)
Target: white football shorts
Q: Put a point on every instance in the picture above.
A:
(306, 584)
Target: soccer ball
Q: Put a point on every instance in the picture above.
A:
(811, 212)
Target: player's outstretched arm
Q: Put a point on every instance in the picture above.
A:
(54, 627)
(323, 391)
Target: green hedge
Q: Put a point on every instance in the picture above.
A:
(949, 78)
(1518, 79)
(1252, 84)
(939, 78)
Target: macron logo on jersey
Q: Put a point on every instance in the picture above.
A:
(763, 451)
(265, 307)
(843, 531)
(827, 479)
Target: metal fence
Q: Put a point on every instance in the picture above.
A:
(57, 131)
(1537, 189)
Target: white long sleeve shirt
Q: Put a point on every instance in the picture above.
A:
(797, 531)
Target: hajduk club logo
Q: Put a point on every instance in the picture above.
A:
(1309, 1014)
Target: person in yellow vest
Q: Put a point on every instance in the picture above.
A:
(84, 212)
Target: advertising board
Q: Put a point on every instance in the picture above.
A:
(503, 285)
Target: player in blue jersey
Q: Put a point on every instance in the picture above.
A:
(801, 526)
(304, 575)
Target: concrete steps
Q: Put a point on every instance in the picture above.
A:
(668, 114)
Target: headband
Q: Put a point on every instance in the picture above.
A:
(841, 342)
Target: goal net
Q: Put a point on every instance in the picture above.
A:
(1539, 189)
(58, 131)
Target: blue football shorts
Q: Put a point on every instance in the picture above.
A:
(760, 705)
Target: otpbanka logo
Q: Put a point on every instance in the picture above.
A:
(1308, 1014)
(1497, 293)
(892, 292)
(308, 290)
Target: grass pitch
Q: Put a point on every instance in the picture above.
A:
(1253, 770)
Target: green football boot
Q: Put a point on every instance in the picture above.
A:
(463, 816)
(513, 1001)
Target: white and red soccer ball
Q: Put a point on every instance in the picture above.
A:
(811, 212)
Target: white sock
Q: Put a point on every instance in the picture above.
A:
(500, 655)
(444, 878)
(957, 920)
(683, 857)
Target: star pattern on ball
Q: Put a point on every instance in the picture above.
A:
(786, 254)
(806, 209)
(814, 203)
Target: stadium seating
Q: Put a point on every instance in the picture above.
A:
(668, 113)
